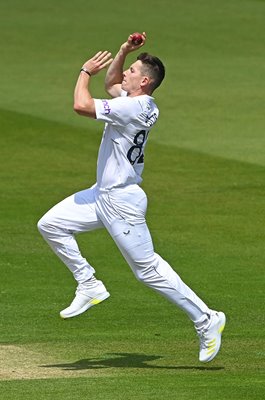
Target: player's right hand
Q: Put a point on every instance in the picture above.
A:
(130, 46)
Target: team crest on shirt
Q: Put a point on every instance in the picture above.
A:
(106, 106)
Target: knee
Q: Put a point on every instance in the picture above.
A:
(41, 226)
(44, 226)
(138, 275)
(149, 269)
(143, 272)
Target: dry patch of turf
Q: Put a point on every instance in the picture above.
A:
(27, 362)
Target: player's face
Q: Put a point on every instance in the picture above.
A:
(133, 78)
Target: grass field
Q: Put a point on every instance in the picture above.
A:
(204, 176)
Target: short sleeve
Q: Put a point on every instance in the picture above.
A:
(118, 111)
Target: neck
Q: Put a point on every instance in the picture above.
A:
(139, 92)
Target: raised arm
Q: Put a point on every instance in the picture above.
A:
(83, 100)
(114, 75)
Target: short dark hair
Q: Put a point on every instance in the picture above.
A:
(153, 67)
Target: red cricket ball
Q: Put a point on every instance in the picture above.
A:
(137, 38)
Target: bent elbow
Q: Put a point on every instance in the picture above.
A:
(107, 87)
(78, 108)
(84, 110)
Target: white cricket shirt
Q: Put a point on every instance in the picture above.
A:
(121, 153)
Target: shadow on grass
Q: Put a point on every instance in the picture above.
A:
(124, 360)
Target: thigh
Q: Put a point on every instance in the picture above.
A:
(77, 213)
(134, 242)
(128, 204)
(123, 214)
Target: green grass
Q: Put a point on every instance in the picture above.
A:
(204, 176)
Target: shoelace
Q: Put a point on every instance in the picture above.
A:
(202, 333)
(203, 340)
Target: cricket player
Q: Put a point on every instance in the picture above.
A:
(116, 201)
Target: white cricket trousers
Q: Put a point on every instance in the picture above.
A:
(122, 212)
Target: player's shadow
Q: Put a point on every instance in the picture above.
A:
(124, 360)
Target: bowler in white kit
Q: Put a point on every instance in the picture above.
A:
(116, 201)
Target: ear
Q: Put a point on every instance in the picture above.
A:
(145, 81)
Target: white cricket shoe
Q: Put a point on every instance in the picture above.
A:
(85, 298)
(210, 336)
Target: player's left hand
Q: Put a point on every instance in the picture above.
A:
(100, 60)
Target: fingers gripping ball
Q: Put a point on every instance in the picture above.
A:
(137, 38)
